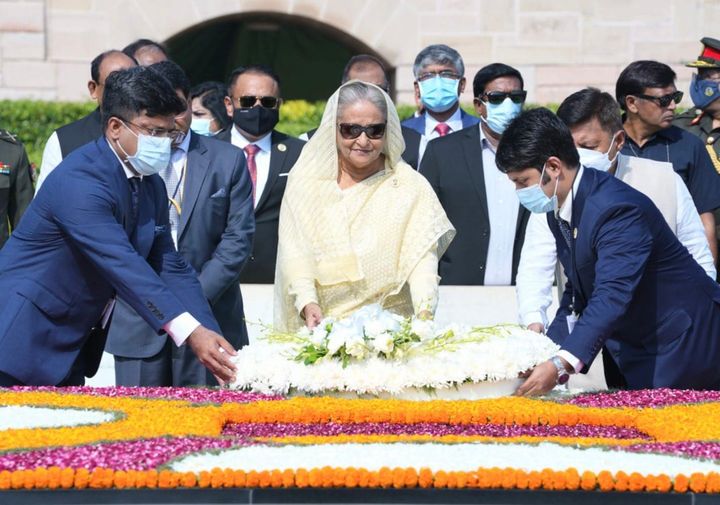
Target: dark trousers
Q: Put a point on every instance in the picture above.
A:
(172, 366)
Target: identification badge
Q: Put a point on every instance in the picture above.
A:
(571, 319)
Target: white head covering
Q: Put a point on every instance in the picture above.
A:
(315, 229)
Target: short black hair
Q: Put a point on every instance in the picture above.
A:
(173, 73)
(363, 60)
(589, 103)
(98, 60)
(252, 69)
(130, 92)
(212, 97)
(640, 75)
(531, 139)
(491, 72)
(134, 47)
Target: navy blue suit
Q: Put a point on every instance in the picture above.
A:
(215, 235)
(638, 290)
(78, 245)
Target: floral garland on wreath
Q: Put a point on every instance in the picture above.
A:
(375, 352)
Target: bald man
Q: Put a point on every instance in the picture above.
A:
(146, 52)
(67, 138)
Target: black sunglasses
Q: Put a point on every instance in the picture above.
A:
(498, 97)
(269, 102)
(352, 131)
(664, 101)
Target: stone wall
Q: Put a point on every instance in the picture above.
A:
(558, 45)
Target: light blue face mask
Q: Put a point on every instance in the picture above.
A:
(499, 116)
(534, 199)
(201, 126)
(152, 155)
(439, 94)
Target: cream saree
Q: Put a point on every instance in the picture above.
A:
(347, 248)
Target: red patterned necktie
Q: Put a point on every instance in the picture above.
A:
(250, 151)
(442, 129)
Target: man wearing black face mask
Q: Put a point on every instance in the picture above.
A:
(253, 103)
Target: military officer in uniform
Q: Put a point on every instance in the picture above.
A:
(16, 187)
(704, 119)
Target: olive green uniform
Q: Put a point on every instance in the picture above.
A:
(16, 186)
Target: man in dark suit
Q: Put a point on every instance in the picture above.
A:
(99, 231)
(439, 81)
(478, 199)
(67, 138)
(208, 183)
(625, 269)
(253, 102)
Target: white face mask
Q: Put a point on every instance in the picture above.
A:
(597, 159)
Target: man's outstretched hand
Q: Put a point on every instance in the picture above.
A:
(214, 353)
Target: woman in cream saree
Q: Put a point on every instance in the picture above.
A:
(349, 241)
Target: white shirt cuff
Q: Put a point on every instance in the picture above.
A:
(181, 327)
(575, 363)
(533, 317)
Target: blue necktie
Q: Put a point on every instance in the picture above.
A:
(134, 198)
(565, 231)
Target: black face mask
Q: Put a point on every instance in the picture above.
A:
(257, 121)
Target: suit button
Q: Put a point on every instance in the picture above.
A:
(482, 267)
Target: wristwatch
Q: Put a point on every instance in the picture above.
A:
(562, 373)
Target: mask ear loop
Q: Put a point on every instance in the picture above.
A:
(607, 154)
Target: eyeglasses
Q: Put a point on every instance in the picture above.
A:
(498, 97)
(448, 74)
(663, 101)
(352, 131)
(269, 102)
(176, 135)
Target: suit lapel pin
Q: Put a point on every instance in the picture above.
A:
(282, 148)
(574, 233)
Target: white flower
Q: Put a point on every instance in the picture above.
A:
(318, 335)
(342, 332)
(304, 332)
(423, 329)
(384, 342)
(356, 347)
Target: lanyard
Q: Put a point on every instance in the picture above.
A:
(176, 199)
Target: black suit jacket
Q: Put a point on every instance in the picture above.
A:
(260, 268)
(80, 132)
(412, 146)
(453, 165)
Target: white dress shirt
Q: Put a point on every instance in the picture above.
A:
(178, 158)
(454, 122)
(262, 158)
(52, 156)
(181, 326)
(503, 206)
(536, 271)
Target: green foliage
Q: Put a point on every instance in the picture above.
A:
(34, 121)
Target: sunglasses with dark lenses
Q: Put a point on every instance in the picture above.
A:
(352, 131)
(269, 102)
(664, 101)
(498, 97)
